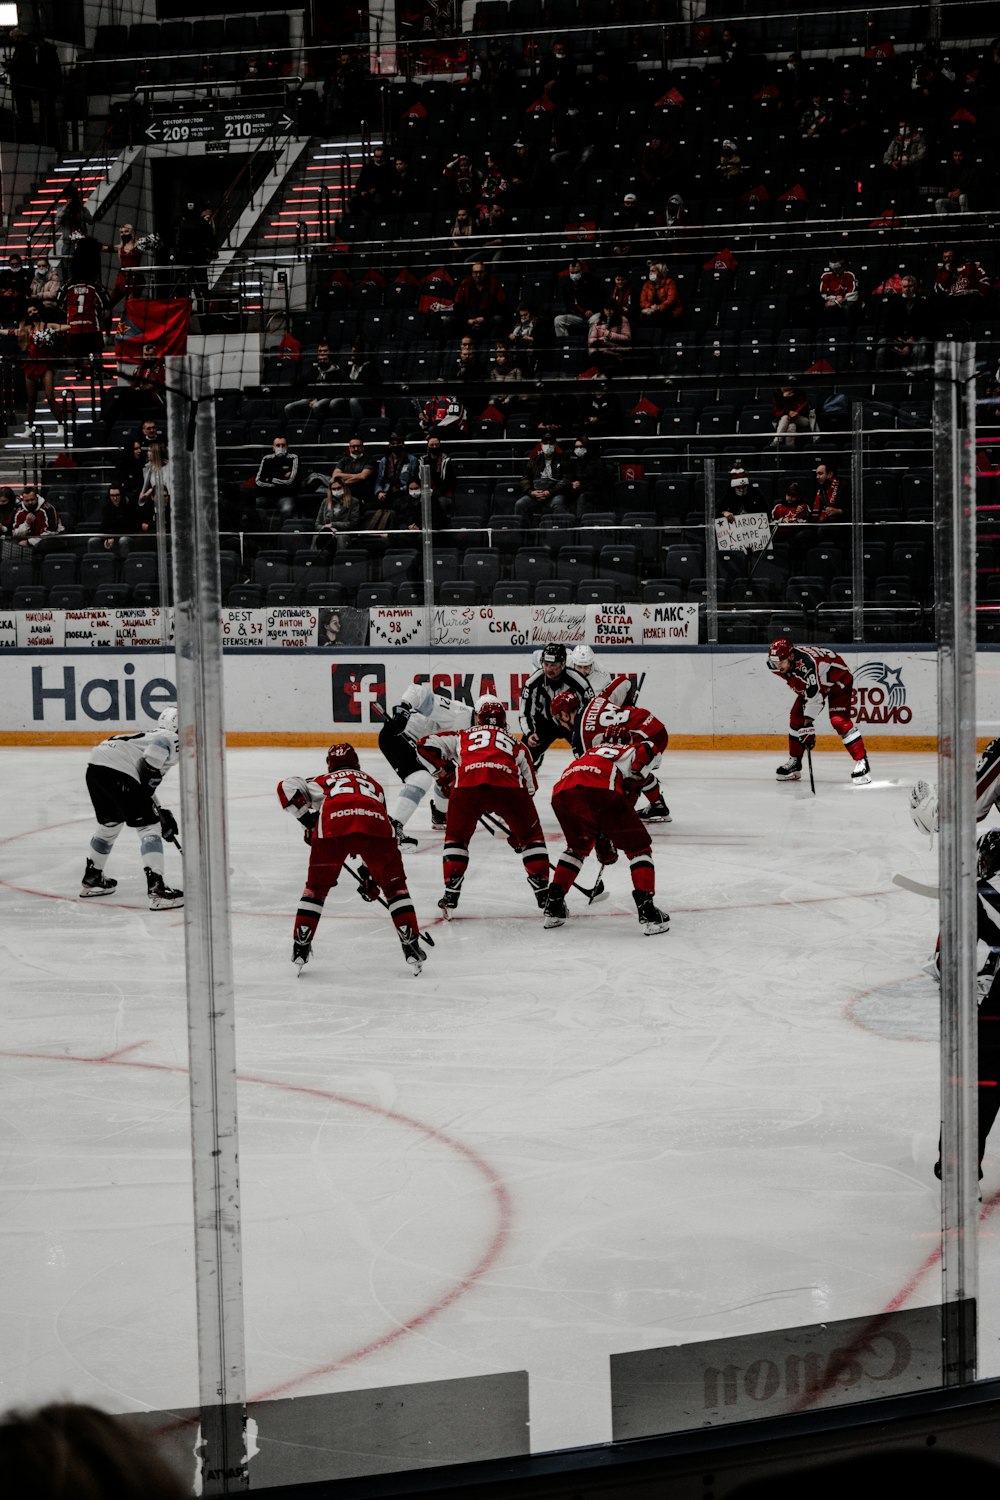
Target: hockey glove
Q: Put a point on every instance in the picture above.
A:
(924, 807)
(806, 735)
(368, 888)
(168, 825)
(445, 779)
(605, 850)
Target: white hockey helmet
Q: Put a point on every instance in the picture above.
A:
(168, 719)
(582, 658)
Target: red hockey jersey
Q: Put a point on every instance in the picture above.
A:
(818, 671)
(605, 768)
(602, 714)
(484, 756)
(84, 305)
(348, 802)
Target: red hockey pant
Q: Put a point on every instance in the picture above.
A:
(326, 861)
(513, 806)
(839, 705)
(584, 814)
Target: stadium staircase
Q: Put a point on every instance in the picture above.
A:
(301, 216)
(33, 225)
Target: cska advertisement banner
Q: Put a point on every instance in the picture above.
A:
(146, 320)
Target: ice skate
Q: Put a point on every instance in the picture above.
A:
(651, 919)
(95, 883)
(555, 907)
(540, 888)
(413, 953)
(161, 897)
(656, 812)
(861, 775)
(790, 771)
(448, 902)
(402, 839)
(301, 948)
(438, 818)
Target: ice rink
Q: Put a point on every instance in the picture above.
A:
(549, 1147)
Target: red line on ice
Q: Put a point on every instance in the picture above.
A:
(498, 1191)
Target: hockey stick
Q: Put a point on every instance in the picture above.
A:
(380, 899)
(495, 825)
(809, 763)
(171, 838)
(917, 887)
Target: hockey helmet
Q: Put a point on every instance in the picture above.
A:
(565, 705)
(342, 757)
(555, 651)
(490, 710)
(582, 659)
(988, 854)
(779, 650)
(168, 719)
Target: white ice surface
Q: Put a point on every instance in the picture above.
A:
(549, 1147)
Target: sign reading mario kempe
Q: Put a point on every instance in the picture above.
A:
(749, 533)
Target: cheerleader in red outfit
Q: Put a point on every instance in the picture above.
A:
(38, 339)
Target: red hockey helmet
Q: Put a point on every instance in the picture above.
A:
(779, 650)
(342, 757)
(490, 710)
(565, 705)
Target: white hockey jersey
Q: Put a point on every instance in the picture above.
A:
(432, 711)
(145, 755)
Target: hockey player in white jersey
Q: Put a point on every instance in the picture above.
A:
(123, 774)
(422, 710)
(924, 796)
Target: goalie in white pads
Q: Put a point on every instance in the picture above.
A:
(422, 710)
(924, 795)
(123, 774)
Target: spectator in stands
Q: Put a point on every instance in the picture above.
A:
(127, 282)
(621, 293)
(480, 303)
(905, 326)
(45, 284)
(816, 122)
(744, 498)
(461, 229)
(959, 181)
(84, 307)
(356, 472)
(117, 521)
(467, 367)
(790, 509)
(504, 371)
(150, 431)
(675, 214)
(277, 477)
(581, 295)
(792, 414)
(659, 298)
(443, 474)
(364, 375)
(373, 188)
(600, 409)
(903, 160)
(339, 512)
(73, 220)
(8, 510)
(557, 73)
(850, 116)
(396, 468)
(730, 170)
(156, 477)
(130, 467)
(463, 179)
(30, 520)
(589, 485)
(405, 193)
(656, 165)
(838, 290)
(544, 485)
(15, 290)
(344, 92)
(319, 381)
(827, 503)
(609, 337)
(525, 336)
(195, 247)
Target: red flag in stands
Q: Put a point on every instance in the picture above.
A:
(147, 320)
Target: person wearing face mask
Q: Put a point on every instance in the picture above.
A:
(504, 370)
(395, 472)
(589, 485)
(659, 298)
(46, 283)
(582, 294)
(544, 485)
(356, 472)
(838, 289)
(277, 477)
(339, 512)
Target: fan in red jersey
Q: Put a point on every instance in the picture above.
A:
(816, 676)
(489, 772)
(587, 726)
(593, 801)
(85, 308)
(343, 812)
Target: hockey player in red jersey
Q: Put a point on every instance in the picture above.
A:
(343, 813)
(593, 800)
(816, 676)
(489, 772)
(587, 727)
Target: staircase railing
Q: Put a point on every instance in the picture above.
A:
(50, 217)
